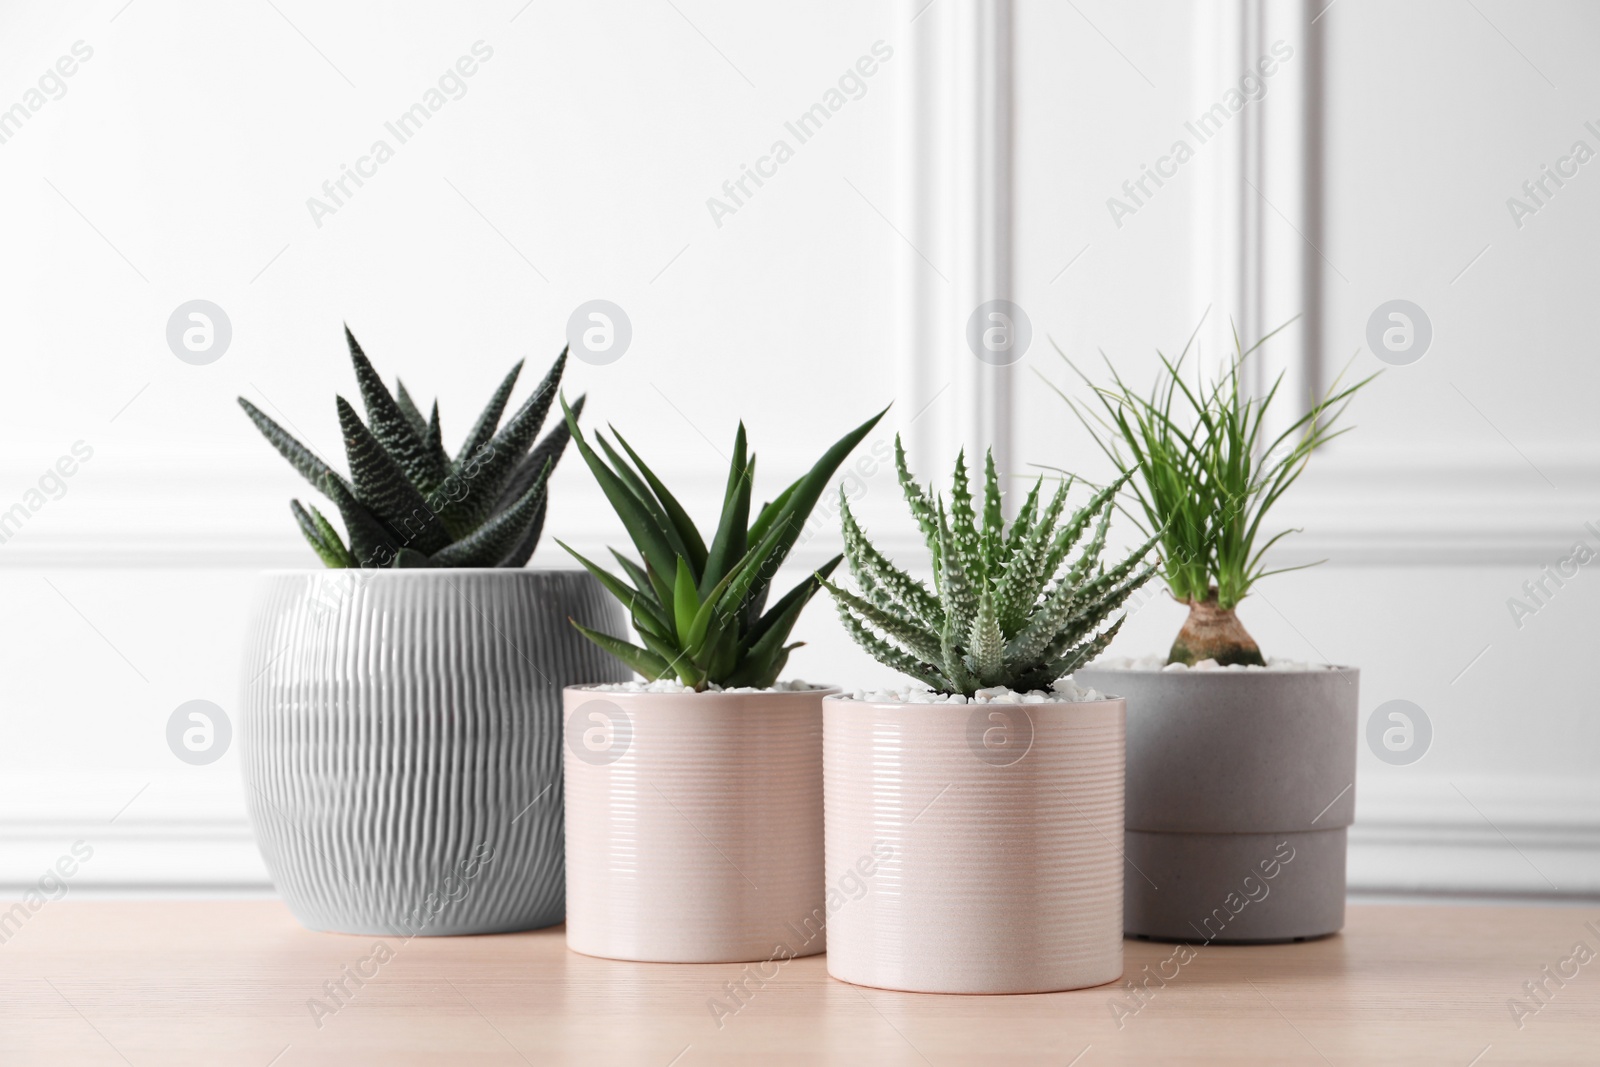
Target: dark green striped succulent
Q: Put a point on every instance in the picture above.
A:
(1001, 612)
(407, 502)
(701, 612)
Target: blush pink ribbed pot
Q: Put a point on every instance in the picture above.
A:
(694, 825)
(991, 834)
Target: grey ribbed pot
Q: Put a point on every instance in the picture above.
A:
(1241, 785)
(401, 742)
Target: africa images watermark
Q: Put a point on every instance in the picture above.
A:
(806, 126)
(1538, 592)
(51, 485)
(339, 991)
(1140, 991)
(853, 885)
(51, 85)
(451, 85)
(1552, 978)
(51, 885)
(1537, 191)
(1252, 87)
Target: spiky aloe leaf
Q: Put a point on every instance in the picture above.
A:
(1066, 600)
(382, 487)
(487, 469)
(496, 538)
(408, 408)
(728, 543)
(435, 438)
(986, 645)
(482, 431)
(992, 625)
(549, 450)
(647, 538)
(677, 517)
(653, 507)
(993, 518)
(1023, 524)
(1100, 503)
(401, 490)
(914, 639)
(1090, 555)
(892, 657)
(921, 509)
(390, 426)
(779, 620)
(957, 597)
(1026, 571)
(310, 466)
(709, 601)
(873, 570)
(635, 602)
(330, 555)
(647, 663)
(964, 521)
(331, 538)
(524, 551)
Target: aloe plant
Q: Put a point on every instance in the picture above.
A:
(1207, 474)
(1006, 607)
(407, 501)
(700, 611)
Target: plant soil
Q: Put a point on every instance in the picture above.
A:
(1214, 632)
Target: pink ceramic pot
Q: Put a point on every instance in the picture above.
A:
(694, 825)
(977, 846)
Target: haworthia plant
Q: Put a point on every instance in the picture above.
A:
(407, 502)
(1008, 607)
(698, 609)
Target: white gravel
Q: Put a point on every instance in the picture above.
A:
(672, 685)
(1062, 691)
(1159, 663)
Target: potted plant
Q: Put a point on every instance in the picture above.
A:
(401, 724)
(694, 797)
(1241, 771)
(980, 812)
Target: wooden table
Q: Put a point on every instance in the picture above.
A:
(237, 984)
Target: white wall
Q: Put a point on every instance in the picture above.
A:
(178, 164)
(190, 142)
(1470, 470)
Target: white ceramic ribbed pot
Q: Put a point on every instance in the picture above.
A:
(401, 742)
(694, 825)
(1241, 789)
(974, 847)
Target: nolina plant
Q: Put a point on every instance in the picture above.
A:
(1205, 474)
(701, 611)
(407, 502)
(1002, 611)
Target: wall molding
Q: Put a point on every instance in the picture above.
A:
(1472, 507)
(954, 189)
(1416, 839)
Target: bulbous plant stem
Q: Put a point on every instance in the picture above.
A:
(1214, 632)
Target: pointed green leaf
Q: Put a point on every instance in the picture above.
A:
(382, 487)
(647, 664)
(495, 539)
(483, 430)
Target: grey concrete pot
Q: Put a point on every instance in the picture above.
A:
(1241, 785)
(401, 741)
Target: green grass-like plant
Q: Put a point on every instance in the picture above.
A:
(407, 502)
(701, 611)
(1205, 474)
(1005, 608)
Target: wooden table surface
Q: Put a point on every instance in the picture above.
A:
(239, 984)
